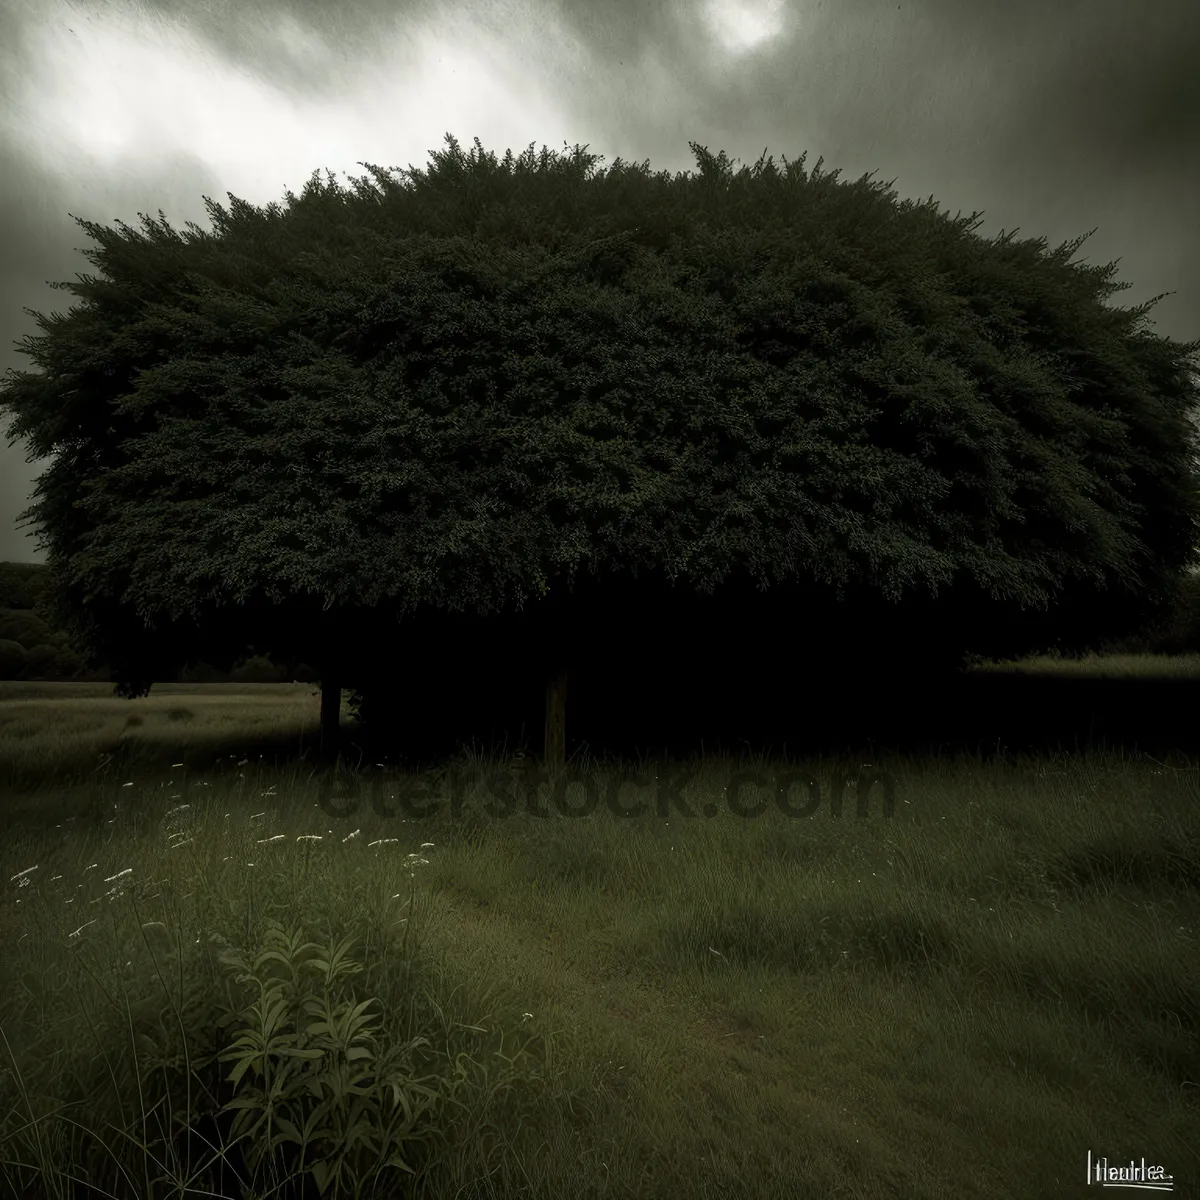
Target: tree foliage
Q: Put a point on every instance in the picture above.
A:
(499, 383)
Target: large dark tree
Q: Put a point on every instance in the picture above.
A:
(513, 414)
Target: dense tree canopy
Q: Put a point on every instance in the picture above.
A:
(498, 384)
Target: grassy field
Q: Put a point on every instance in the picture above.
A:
(962, 998)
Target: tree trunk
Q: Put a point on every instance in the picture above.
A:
(555, 750)
(331, 712)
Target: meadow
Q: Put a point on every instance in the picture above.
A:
(960, 984)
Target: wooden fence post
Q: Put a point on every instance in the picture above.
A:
(331, 712)
(556, 720)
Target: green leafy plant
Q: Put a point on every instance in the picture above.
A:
(315, 1076)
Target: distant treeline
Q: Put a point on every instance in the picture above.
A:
(32, 649)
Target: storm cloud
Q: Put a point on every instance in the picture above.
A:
(1056, 118)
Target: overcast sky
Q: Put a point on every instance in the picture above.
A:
(1052, 115)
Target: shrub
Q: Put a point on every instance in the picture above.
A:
(1180, 632)
(201, 673)
(12, 658)
(257, 669)
(49, 662)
